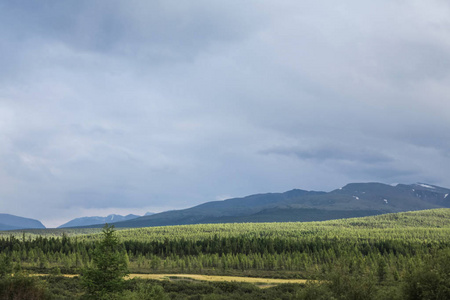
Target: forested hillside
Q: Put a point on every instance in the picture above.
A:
(382, 251)
(297, 249)
(352, 200)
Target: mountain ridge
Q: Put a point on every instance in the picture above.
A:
(94, 220)
(13, 222)
(352, 200)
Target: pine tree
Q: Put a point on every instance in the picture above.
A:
(110, 267)
(5, 266)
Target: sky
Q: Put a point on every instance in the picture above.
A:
(135, 106)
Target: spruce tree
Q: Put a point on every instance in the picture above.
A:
(109, 269)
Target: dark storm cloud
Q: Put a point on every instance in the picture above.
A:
(331, 152)
(155, 29)
(134, 106)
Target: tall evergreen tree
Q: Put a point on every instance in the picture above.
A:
(110, 267)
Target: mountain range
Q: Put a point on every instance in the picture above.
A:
(352, 200)
(86, 221)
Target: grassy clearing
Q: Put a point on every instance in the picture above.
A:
(262, 282)
(254, 280)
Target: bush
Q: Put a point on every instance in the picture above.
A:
(23, 287)
(314, 291)
(146, 291)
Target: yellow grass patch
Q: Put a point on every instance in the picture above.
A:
(255, 280)
(261, 282)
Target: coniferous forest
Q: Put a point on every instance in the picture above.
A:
(392, 256)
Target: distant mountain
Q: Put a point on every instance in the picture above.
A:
(86, 221)
(352, 200)
(11, 222)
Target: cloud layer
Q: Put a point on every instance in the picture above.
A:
(129, 106)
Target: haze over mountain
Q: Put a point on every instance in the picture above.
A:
(86, 221)
(352, 200)
(11, 222)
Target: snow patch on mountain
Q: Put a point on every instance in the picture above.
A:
(426, 186)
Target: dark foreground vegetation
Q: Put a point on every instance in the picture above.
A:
(394, 256)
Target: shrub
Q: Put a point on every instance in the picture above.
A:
(23, 287)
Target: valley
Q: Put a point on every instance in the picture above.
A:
(379, 255)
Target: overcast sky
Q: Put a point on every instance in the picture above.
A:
(134, 106)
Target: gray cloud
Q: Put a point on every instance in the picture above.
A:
(112, 106)
(331, 152)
